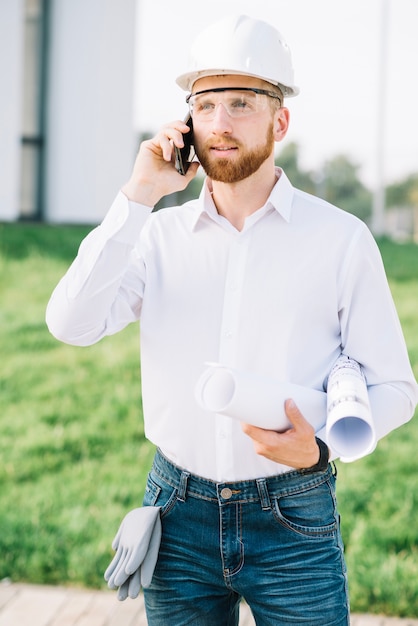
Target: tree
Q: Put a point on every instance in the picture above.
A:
(288, 159)
(403, 193)
(344, 188)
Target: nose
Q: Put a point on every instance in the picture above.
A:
(221, 122)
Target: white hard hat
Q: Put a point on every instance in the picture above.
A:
(241, 45)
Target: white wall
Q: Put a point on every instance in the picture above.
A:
(11, 53)
(90, 140)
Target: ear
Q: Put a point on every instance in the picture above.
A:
(281, 123)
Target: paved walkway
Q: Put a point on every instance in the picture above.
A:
(33, 605)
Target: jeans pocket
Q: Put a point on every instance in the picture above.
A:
(311, 512)
(159, 493)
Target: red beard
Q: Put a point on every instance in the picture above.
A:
(232, 170)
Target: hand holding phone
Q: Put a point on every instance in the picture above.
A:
(182, 155)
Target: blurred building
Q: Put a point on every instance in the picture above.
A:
(401, 223)
(66, 97)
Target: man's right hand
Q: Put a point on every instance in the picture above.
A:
(154, 175)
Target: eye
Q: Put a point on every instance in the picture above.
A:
(204, 105)
(243, 104)
(239, 104)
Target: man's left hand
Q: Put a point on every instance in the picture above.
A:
(295, 447)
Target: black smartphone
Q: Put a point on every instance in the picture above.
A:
(182, 155)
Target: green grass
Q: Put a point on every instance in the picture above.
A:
(73, 458)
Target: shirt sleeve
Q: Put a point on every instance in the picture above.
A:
(102, 290)
(371, 334)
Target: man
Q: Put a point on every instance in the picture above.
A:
(261, 277)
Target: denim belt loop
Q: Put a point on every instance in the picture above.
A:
(182, 488)
(263, 492)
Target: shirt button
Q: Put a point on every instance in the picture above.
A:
(226, 493)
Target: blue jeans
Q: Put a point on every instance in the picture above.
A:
(273, 541)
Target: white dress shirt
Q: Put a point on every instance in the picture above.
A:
(302, 282)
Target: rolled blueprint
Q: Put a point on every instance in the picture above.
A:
(255, 399)
(350, 429)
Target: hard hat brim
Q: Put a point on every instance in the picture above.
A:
(187, 80)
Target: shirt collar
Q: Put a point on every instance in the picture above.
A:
(280, 199)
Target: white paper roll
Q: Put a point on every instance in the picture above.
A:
(255, 399)
(350, 428)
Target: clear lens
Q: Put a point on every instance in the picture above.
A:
(236, 102)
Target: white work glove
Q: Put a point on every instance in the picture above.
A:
(136, 543)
